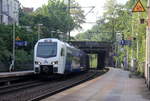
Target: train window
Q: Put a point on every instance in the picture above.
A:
(62, 52)
(47, 49)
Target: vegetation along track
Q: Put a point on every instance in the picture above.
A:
(48, 88)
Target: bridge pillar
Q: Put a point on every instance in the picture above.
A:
(101, 60)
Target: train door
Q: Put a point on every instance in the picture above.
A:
(62, 59)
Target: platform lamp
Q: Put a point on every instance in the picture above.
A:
(12, 66)
(39, 30)
(59, 34)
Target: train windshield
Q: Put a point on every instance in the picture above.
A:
(46, 49)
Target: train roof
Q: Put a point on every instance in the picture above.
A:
(57, 40)
(53, 39)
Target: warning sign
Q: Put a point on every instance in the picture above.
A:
(138, 7)
(17, 38)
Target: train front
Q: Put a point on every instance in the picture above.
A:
(45, 57)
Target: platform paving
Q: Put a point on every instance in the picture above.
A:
(115, 85)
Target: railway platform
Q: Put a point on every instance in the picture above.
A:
(15, 74)
(115, 85)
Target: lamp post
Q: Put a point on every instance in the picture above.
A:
(137, 46)
(58, 32)
(12, 66)
(39, 30)
(53, 32)
(69, 20)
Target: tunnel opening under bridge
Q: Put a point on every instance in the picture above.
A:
(102, 50)
(97, 60)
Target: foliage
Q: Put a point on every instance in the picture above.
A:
(54, 17)
(119, 20)
(93, 60)
(6, 41)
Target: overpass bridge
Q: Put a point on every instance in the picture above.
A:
(104, 51)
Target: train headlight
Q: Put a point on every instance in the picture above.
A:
(37, 62)
(54, 62)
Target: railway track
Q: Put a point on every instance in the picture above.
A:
(34, 92)
(18, 86)
(12, 80)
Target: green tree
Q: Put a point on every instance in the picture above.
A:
(118, 18)
(55, 16)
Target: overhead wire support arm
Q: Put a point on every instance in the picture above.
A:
(83, 7)
(69, 7)
(92, 7)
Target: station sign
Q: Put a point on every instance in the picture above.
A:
(21, 43)
(125, 42)
(138, 7)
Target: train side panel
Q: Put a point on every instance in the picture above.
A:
(75, 60)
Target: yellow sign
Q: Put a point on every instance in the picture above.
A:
(17, 38)
(138, 7)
